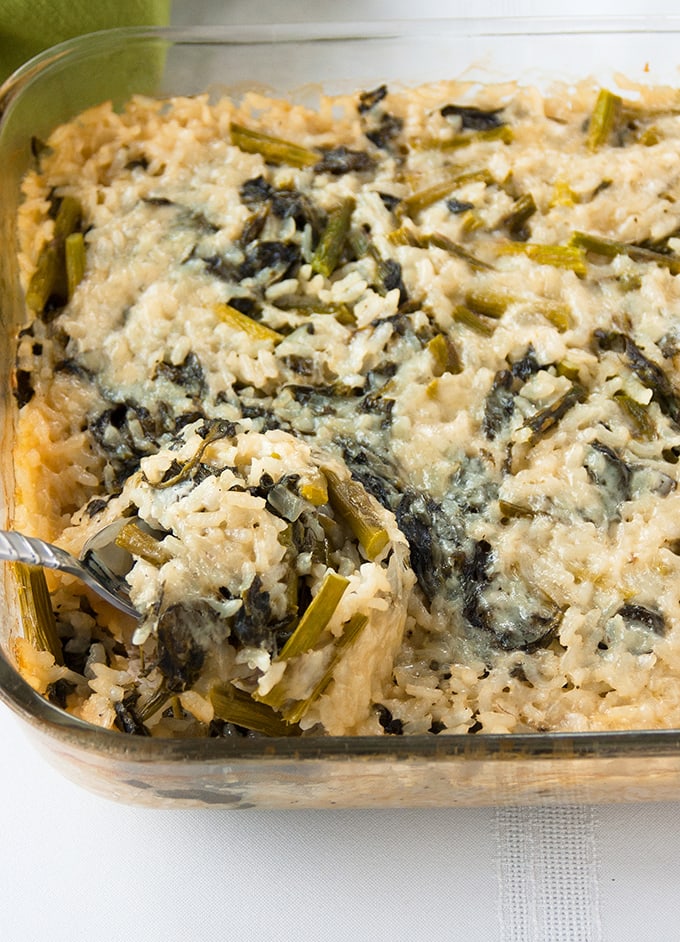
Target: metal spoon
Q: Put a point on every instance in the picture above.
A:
(101, 566)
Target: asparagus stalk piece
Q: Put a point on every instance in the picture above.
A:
(351, 502)
(421, 199)
(503, 133)
(239, 321)
(638, 413)
(438, 241)
(50, 276)
(308, 631)
(351, 631)
(610, 248)
(74, 247)
(488, 303)
(559, 315)
(510, 510)
(308, 304)
(522, 211)
(235, 706)
(315, 490)
(494, 305)
(274, 149)
(330, 248)
(478, 323)
(45, 279)
(425, 240)
(570, 257)
(568, 369)
(40, 627)
(316, 617)
(140, 543)
(444, 355)
(603, 120)
(546, 419)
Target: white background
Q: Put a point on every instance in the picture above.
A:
(76, 867)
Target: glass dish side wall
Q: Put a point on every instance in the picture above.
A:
(299, 61)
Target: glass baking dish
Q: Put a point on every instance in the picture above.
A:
(297, 61)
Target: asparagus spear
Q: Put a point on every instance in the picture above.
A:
(235, 706)
(444, 354)
(502, 133)
(516, 220)
(351, 631)
(424, 240)
(329, 250)
(50, 276)
(421, 199)
(308, 631)
(307, 303)
(570, 257)
(351, 502)
(316, 617)
(610, 248)
(603, 120)
(74, 247)
(546, 419)
(40, 627)
(140, 543)
(234, 318)
(478, 323)
(638, 413)
(274, 149)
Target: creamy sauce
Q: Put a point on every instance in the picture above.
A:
(462, 342)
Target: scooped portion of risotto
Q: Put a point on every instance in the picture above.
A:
(255, 561)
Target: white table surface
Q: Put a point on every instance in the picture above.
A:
(76, 867)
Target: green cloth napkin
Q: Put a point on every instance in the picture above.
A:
(29, 26)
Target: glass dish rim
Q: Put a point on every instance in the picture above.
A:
(32, 707)
(368, 30)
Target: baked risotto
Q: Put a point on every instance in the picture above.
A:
(379, 401)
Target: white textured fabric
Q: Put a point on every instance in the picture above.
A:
(548, 883)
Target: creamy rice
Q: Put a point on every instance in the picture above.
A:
(459, 306)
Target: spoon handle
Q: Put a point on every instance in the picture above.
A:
(17, 548)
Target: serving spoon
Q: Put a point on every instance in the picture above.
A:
(101, 565)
